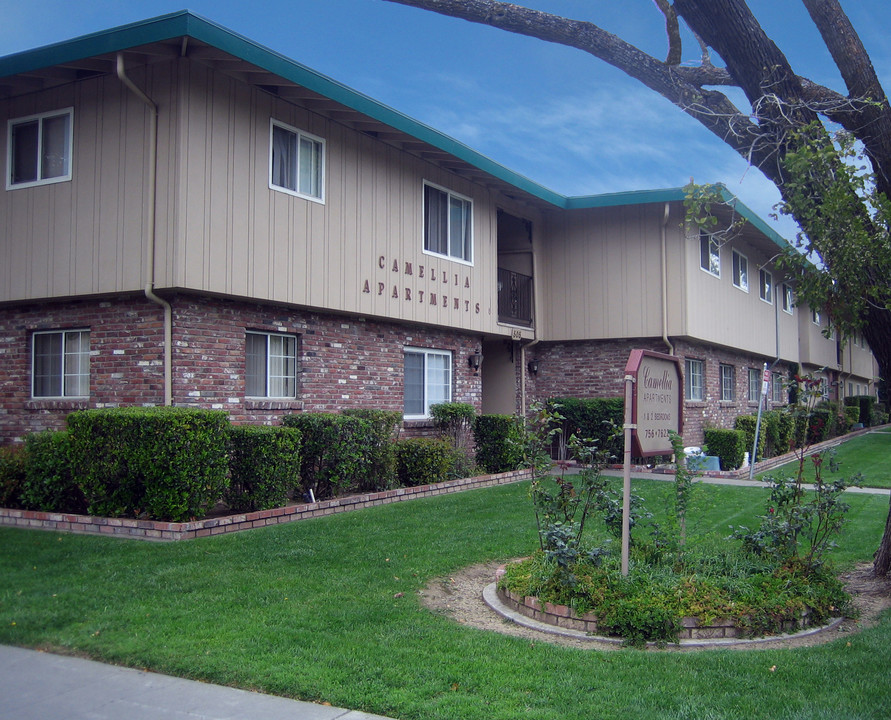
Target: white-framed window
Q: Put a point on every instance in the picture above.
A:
(693, 380)
(709, 255)
(448, 224)
(788, 299)
(777, 391)
(765, 285)
(296, 162)
(60, 364)
(740, 271)
(815, 317)
(270, 369)
(39, 149)
(754, 384)
(428, 380)
(728, 382)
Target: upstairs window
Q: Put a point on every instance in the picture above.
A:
(709, 255)
(765, 282)
(428, 380)
(788, 299)
(270, 365)
(39, 149)
(60, 364)
(740, 271)
(448, 220)
(296, 162)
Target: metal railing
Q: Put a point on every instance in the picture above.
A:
(514, 297)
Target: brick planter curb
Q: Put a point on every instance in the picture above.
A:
(566, 621)
(172, 531)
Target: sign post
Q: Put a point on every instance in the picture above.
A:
(654, 406)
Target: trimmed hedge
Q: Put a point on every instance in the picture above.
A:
(728, 445)
(593, 418)
(264, 466)
(336, 454)
(164, 463)
(866, 403)
(12, 476)
(497, 438)
(748, 423)
(423, 461)
(384, 429)
(49, 483)
(779, 429)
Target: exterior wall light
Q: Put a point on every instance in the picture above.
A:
(474, 361)
(532, 366)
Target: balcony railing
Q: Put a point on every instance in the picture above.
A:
(514, 297)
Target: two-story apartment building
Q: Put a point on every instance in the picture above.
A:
(188, 218)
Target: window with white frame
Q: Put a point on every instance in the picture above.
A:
(728, 382)
(693, 380)
(448, 224)
(270, 369)
(39, 149)
(428, 380)
(740, 271)
(60, 364)
(709, 255)
(296, 162)
(777, 391)
(754, 385)
(815, 317)
(788, 299)
(765, 284)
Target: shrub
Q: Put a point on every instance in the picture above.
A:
(423, 461)
(264, 466)
(867, 404)
(593, 418)
(748, 423)
(496, 438)
(384, 428)
(779, 429)
(336, 453)
(728, 445)
(49, 483)
(852, 415)
(12, 475)
(165, 463)
(454, 420)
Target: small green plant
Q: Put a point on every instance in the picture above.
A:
(496, 438)
(12, 475)
(799, 527)
(424, 461)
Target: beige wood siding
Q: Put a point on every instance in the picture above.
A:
(601, 273)
(236, 236)
(722, 314)
(814, 348)
(84, 236)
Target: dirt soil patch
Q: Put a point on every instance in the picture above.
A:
(460, 597)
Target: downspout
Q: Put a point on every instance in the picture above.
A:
(535, 306)
(665, 283)
(149, 288)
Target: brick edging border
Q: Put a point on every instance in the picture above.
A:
(173, 531)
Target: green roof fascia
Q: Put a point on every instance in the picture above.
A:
(185, 23)
(644, 197)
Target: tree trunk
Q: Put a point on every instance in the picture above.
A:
(882, 563)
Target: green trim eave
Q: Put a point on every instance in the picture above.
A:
(185, 23)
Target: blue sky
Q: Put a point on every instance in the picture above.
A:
(561, 117)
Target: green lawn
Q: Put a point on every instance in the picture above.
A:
(869, 454)
(327, 610)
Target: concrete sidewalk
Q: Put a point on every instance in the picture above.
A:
(41, 686)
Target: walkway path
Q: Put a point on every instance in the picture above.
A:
(38, 686)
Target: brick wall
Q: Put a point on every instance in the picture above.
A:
(345, 362)
(590, 369)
